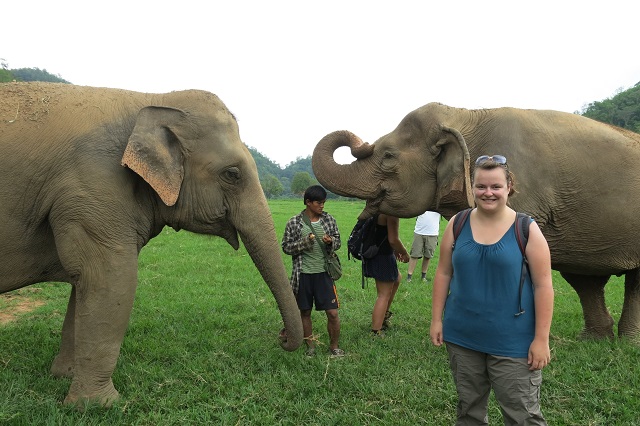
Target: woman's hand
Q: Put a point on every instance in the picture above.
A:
(435, 332)
(539, 354)
(402, 257)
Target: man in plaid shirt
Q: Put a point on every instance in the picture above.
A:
(309, 280)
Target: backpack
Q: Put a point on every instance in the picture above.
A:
(523, 221)
(360, 244)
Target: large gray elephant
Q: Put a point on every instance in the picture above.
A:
(577, 177)
(90, 175)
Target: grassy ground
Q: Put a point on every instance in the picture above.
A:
(202, 349)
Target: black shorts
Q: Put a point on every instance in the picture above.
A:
(319, 288)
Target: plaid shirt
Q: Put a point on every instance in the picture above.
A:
(294, 243)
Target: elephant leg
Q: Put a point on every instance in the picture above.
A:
(629, 325)
(104, 277)
(63, 363)
(103, 308)
(598, 323)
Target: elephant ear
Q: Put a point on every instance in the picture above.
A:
(154, 151)
(453, 172)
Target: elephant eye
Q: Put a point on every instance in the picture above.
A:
(231, 175)
(389, 161)
(389, 156)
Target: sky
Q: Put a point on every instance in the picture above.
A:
(293, 71)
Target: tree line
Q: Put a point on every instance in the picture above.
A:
(622, 110)
(277, 182)
(27, 74)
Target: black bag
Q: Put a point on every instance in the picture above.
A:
(361, 244)
(331, 261)
(361, 240)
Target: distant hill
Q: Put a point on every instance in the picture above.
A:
(28, 74)
(622, 110)
(265, 165)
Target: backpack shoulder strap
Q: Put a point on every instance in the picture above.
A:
(374, 221)
(523, 221)
(458, 223)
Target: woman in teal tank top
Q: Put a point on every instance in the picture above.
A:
(496, 337)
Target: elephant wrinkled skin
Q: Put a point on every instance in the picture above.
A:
(90, 176)
(577, 177)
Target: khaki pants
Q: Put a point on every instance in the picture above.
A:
(516, 389)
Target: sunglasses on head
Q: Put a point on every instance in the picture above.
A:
(499, 159)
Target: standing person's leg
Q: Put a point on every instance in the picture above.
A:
(307, 328)
(394, 290)
(425, 267)
(385, 290)
(326, 297)
(429, 250)
(517, 390)
(333, 328)
(415, 254)
(469, 370)
(305, 304)
(413, 261)
(388, 314)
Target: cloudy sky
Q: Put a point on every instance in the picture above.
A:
(293, 71)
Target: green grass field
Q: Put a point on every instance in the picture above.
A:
(202, 348)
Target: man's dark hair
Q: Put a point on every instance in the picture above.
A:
(315, 193)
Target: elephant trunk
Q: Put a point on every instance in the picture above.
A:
(262, 245)
(350, 180)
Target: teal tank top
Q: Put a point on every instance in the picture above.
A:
(480, 310)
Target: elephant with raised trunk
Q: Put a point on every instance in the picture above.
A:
(90, 175)
(577, 177)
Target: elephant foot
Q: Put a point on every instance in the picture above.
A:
(629, 332)
(62, 367)
(81, 398)
(598, 330)
(596, 334)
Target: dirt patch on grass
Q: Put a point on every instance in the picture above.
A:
(14, 305)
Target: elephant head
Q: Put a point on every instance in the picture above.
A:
(422, 165)
(208, 183)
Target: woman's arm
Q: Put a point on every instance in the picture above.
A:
(393, 228)
(444, 272)
(539, 259)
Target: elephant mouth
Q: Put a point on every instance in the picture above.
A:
(372, 206)
(230, 235)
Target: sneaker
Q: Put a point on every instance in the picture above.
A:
(388, 315)
(377, 333)
(408, 278)
(336, 353)
(311, 352)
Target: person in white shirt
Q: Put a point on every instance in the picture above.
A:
(425, 240)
